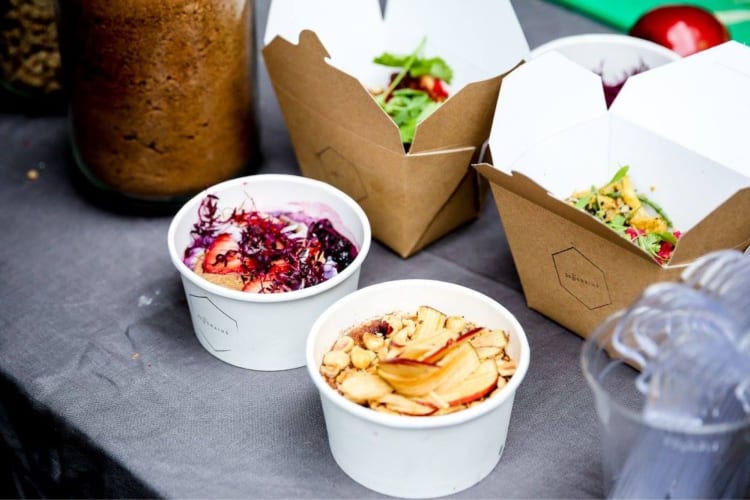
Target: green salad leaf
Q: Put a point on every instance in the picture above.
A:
(584, 201)
(657, 208)
(408, 107)
(622, 172)
(434, 66)
(611, 208)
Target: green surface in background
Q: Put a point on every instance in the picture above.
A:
(622, 14)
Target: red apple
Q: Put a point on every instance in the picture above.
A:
(685, 29)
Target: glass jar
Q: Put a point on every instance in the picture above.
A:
(30, 70)
(161, 94)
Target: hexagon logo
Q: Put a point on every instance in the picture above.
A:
(342, 173)
(213, 325)
(582, 278)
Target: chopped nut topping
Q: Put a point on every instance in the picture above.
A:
(419, 364)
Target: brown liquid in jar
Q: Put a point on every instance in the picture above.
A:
(161, 92)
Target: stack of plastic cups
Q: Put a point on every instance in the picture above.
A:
(680, 427)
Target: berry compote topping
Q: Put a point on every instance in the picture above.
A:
(268, 252)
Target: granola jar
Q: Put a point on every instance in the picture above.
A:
(161, 95)
(30, 69)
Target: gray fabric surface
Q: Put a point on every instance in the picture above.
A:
(96, 333)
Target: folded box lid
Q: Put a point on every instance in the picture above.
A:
(680, 127)
(702, 103)
(478, 38)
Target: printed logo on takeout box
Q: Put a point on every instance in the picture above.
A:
(681, 130)
(319, 55)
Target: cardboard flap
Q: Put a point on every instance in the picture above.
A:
(301, 73)
(462, 120)
(539, 99)
(701, 102)
(687, 185)
(479, 39)
(526, 188)
(726, 227)
(340, 26)
(424, 200)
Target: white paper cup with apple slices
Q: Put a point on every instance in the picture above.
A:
(416, 456)
(266, 331)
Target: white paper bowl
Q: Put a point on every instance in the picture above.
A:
(415, 457)
(613, 56)
(266, 331)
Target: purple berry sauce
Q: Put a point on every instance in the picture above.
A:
(271, 252)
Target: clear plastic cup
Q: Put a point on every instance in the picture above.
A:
(648, 458)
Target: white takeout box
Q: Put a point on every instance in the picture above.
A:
(681, 127)
(465, 33)
(612, 55)
(319, 57)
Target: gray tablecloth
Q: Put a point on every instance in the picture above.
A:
(106, 391)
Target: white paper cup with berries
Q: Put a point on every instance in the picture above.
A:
(613, 56)
(260, 258)
(417, 380)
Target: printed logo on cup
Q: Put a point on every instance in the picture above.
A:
(342, 173)
(214, 325)
(582, 278)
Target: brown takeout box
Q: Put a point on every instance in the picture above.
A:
(342, 136)
(692, 160)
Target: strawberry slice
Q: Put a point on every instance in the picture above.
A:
(223, 256)
(279, 266)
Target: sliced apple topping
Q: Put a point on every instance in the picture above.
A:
(438, 354)
(416, 378)
(427, 345)
(490, 338)
(434, 400)
(419, 364)
(506, 368)
(456, 323)
(361, 386)
(457, 365)
(406, 406)
(475, 386)
(429, 320)
(410, 377)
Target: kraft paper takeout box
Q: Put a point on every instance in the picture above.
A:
(683, 130)
(319, 58)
